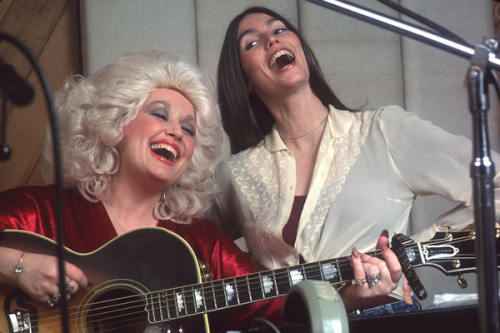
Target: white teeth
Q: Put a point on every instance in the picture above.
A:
(172, 152)
(278, 54)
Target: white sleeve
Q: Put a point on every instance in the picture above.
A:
(434, 161)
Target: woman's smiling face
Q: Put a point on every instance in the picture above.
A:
(271, 56)
(159, 142)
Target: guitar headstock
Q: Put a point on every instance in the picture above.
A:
(451, 252)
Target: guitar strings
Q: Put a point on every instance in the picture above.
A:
(285, 273)
(208, 289)
(231, 279)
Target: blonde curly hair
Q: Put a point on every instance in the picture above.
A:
(94, 111)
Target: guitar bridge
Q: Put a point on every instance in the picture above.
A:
(20, 321)
(17, 319)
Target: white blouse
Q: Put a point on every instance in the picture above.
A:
(370, 167)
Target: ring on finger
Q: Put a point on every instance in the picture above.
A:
(69, 287)
(359, 282)
(373, 280)
(52, 301)
(56, 298)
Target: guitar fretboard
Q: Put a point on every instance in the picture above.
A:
(215, 295)
(230, 292)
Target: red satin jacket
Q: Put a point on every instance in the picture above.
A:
(88, 227)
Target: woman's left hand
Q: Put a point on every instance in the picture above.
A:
(374, 277)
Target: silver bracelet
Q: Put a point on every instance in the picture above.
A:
(19, 266)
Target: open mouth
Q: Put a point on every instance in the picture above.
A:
(164, 150)
(281, 59)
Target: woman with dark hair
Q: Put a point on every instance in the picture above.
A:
(310, 179)
(252, 120)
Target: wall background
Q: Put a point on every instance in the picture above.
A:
(364, 64)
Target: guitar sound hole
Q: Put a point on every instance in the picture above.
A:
(117, 310)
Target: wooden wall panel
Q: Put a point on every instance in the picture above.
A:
(49, 28)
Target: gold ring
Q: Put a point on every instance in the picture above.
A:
(358, 282)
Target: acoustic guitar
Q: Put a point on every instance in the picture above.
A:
(149, 280)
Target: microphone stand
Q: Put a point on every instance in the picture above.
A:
(59, 214)
(482, 168)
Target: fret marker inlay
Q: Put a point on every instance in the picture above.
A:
(296, 277)
(229, 292)
(267, 283)
(198, 299)
(180, 302)
(329, 271)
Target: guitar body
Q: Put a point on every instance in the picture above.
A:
(121, 274)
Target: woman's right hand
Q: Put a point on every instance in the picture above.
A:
(38, 275)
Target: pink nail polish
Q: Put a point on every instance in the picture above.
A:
(355, 253)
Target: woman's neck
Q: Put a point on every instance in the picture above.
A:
(130, 208)
(304, 125)
(299, 114)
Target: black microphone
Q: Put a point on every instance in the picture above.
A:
(4, 152)
(4, 149)
(17, 90)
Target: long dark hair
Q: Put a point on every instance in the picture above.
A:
(246, 119)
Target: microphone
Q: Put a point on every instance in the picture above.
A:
(4, 149)
(16, 89)
(19, 92)
(4, 152)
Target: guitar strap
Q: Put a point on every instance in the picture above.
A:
(398, 242)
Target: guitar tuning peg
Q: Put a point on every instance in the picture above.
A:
(448, 235)
(462, 283)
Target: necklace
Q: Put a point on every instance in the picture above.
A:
(118, 226)
(303, 135)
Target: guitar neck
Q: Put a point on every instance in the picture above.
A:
(230, 292)
(441, 252)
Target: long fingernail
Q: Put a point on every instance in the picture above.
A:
(355, 253)
(385, 233)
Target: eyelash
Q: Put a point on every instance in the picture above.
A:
(250, 45)
(160, 115)
(281, 30)
(187, 129)
(277, 31)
